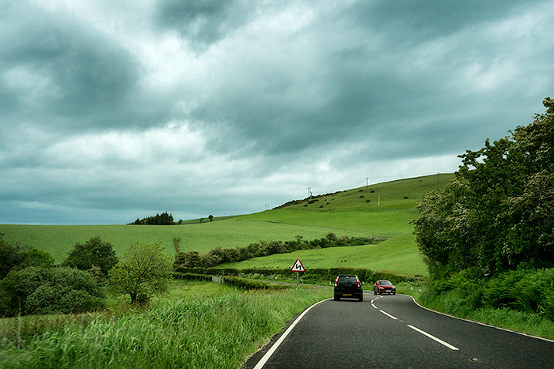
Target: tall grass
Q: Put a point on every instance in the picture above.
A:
(214, 332)
(452, 303)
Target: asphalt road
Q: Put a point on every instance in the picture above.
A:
(394, 332)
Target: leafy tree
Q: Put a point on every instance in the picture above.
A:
(16, 257)
(68, 290)
(144, 271)
(93, 252)
(36, 290)
(10, 255)
(16, 287)
(497, 212)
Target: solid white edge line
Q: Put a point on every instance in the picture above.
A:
(434, 338)
(387, 314)
(480, 323)
(270, 352)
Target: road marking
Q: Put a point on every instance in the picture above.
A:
(374, 300)
(434, 338)
(270, 352)
(387, 314)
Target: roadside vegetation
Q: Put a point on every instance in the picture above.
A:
(218, 331)
(488, 239)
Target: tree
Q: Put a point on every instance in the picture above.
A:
(93, 252)
(17, 286)
(144, 271)
(163, 219)
(497, 212)
(68, 290)
(16, 257)
(36, 290)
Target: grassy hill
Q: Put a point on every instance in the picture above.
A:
(378, 210)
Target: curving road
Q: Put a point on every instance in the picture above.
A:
(394, 332)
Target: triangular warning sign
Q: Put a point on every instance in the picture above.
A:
(298, 267)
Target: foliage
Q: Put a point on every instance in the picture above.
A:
(218, 255)
(525, 290)
(93, 253)
(144, 271)
(159, 219)
(16, 257)
(36, 290)
(497, 212)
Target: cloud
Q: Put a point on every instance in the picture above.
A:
(113, 110)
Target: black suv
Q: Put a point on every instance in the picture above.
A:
(348, 285)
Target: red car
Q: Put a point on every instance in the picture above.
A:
(383, 286)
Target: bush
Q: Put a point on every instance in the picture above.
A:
(93, 252)
(16, 257)
(18, 286)
(43, 291)
(525, 290)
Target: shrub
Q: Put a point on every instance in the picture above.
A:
(42, 291)
(18, 286)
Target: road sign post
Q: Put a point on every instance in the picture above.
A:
(297, 267)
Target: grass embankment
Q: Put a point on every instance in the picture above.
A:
(216, 331)
(521, 300)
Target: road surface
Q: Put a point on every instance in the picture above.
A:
(394, 332)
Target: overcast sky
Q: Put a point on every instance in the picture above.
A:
(117, 110)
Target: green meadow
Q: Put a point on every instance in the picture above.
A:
(379, 210)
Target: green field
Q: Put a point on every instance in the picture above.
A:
(383, 209)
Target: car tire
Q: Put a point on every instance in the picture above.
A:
(375, 293)
(336, 298)
(361, 298)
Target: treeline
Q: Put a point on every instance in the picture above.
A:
(218, 255)
(497, 214)
(159, 219)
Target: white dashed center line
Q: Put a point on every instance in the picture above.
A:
(434, 338)
(387, 314)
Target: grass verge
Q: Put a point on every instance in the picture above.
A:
(451, 303)
(213, 332)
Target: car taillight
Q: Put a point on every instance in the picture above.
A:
(357, 280)
(336, 281)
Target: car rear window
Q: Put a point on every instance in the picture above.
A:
(347, 278)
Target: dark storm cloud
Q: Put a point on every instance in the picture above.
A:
(203, 22)
(69, 75)
(371, 82)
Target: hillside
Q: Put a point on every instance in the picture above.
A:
(377, 210)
